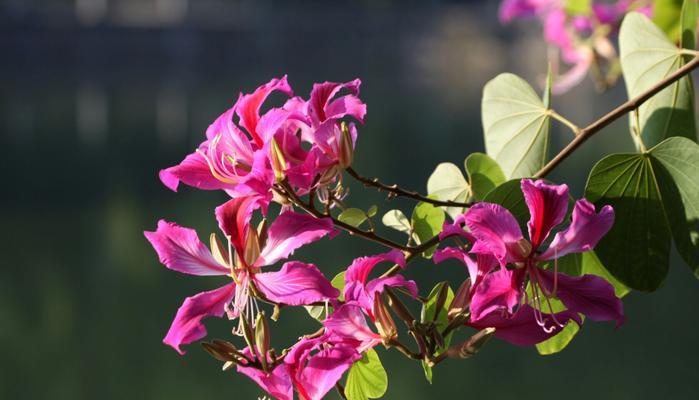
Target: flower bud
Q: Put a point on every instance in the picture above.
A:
(346, 147)
(441, 299)
(252, 247)
(398, 307)
(262, 338)
(470, 347)
(278, 161)
(461, 301)
(218, 250)
(522, 248)
(383, 320)
(247, 333)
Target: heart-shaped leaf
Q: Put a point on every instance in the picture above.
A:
(367, 379)
(446, 183)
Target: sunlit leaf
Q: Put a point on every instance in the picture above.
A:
(578, 7)
(367, 379)
(447, 182)
(647, 57)
(427, 222)
(516, 125)
(338, 283)
(688, 24)
(395, 219)
(666, 15)
(353, 216)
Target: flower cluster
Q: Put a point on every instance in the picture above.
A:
(299, 150)
(581, 36)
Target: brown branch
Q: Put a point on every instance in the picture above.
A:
(398, 191)
(287, 191)
(631, 105)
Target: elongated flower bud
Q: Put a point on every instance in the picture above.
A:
(346, 147)
(441, 299)
(278, 161)
(383, 320)
(248, 333)
(462, 299)
(252, 247)
(262, 338)
(470, 347)
(398, 307)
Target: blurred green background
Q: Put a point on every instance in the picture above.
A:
(97, 95)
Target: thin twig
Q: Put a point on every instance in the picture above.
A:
(398, 191)
(587, 132)
(285, 190)
(341, 390)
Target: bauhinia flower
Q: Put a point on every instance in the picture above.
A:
(248, 251)
(348, 320)
(581, 39)
(312, 368)
(498, 296)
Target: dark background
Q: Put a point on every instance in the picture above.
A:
(97, 95)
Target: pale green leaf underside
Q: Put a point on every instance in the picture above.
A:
(446, 183)
(516, 125)
(647, 56)
(395, 219)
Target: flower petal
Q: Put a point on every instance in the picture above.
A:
(522, 329)
(496, 229)
(497, 291)
(456, 228)
(290, 231)
(348, 321)
(323, 370)
(295, 284)
(585, 230)
(358, 272)
(248, 106)
(234, 217)
(320, 108)
(187, 326)
(193, 171)
(547, 207)
(276, 383)
(181, 250)
(588, 294)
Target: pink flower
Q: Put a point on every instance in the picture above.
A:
(235, 157)
(312, 367)
(248, 252)
(498, 293)
(348, 320)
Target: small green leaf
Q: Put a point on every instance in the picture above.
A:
(428, 371)
(516, 125)
(592, 265)
(395, 219)
(446, 183)
(353, 216)
(427, 222)
(372, 211)
(559, 341)
(367, 379)
(647, 57)
(338, 283)
(578, 7)
(637, 248)
(318, 312)
(484, 174)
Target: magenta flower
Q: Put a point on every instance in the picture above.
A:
(497, 295)
(312, 367)
(248, 252)
(235, 158)
(348, 321)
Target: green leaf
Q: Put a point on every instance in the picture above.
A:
(367, 378)
(428, 371)
(647, 57)
(516, 125)
(318, 312)
(484, 174)
(666, 15)
(637, 248)
(446, 183)
(559, 341)
(338, 283)
(578, 7)
(353, 216)
(372, 211)
(395, 219)
(429, 308)
(679, 159)
(688, 24)
(427, 222)
(592, 265)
